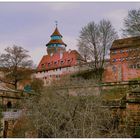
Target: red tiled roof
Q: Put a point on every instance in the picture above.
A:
(56, 42)
(52, 62)
(56, 32)
(126, 42)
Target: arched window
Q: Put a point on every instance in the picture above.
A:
(9, 105)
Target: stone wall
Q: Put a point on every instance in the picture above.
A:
(133, 112)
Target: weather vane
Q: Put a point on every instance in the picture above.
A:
(56, 22)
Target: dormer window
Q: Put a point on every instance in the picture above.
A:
(62, 62)
(55, 62)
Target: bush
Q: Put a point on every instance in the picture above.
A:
(56, 114)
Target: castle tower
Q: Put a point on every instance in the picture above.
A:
(56, 44)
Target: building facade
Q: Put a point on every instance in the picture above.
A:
(124, 60)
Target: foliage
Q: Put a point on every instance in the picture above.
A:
(56, 114)
(37, 85)
(132, 23)
(16, 61)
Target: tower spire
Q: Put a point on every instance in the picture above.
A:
(56, 23)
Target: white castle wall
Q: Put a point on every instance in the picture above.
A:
(47, 76)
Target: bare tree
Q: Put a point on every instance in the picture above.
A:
(95, 41)
(37, 85)
(132, 23)
(56, 114)
(17, 64)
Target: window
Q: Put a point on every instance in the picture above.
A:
(121, 59)
(62, 62)
(9, 105)
(55, 62)
(114, 52)
(135, 66)
(126, 50)
(49, 64)
(68, 61)
(126, 58)
(57, 76)
(114, 60)
(43, 66)
(138, 65)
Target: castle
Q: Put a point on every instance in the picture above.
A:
(123, 65)
(58, 62)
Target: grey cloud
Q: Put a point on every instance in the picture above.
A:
(30, 24)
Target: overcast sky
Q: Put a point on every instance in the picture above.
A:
(30, 24)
